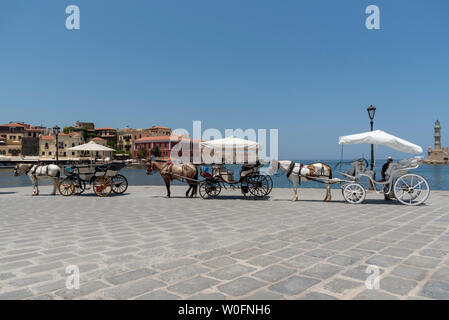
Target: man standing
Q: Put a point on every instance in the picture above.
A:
(383, 172)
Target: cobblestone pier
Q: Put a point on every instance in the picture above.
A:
(141, 245)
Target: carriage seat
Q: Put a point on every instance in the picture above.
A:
(223, 173)
(358, 167)
(206, 175)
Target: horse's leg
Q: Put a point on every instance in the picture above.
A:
(33, 183)
(55, 182)
(295, 180)
(195, 189)
(167, 185)
(188, 190)
(35, 186)
(328, 193)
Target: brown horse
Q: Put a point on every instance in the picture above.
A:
(170, 172)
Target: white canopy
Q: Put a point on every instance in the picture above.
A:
(230, 150)
(230, 144)
(381, 138)
(90, 146)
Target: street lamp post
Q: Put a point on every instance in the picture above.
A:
(371, 112)
(56, 131)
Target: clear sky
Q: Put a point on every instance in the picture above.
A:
(307, 68)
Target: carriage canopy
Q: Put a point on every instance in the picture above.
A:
(230, 143)
(380, 137)
(230, 150)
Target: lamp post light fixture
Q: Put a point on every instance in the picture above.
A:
(371, 112)
(56, 130)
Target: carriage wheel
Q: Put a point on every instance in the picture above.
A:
(119, 184)
(354, 193)
(258, 185)
(209, 189)
(411, 189)
(270, 183)
(79, 185)
(66, 187)
(102, 186)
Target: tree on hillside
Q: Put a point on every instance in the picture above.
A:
(67, 130)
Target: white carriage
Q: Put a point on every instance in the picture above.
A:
(408, 188)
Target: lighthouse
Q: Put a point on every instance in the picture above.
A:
(438, 155)
(437, 135)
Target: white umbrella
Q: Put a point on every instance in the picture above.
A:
(379, 137)
(230, 143)
(90, 146)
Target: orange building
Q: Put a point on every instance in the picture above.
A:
(165, 144)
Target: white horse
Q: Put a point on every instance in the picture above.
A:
(297, 172)
(35, 172)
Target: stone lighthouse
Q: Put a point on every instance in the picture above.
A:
(438, 155)
(437, 129)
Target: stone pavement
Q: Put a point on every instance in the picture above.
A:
(143, 246)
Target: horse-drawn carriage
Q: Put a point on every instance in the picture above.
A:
(221, 155)
(251, 181)
(103, 179)
(408, 188)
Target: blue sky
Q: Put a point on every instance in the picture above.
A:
(307, 68)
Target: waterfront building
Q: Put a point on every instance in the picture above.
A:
(164, 144)
(437, 155)
(47, 146)
(108, 134)
(11, 135)
(84, 125)
(159, 131)
(127, 136)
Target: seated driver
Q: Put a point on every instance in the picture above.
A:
(383, 172)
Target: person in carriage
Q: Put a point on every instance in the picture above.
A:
(384, 174)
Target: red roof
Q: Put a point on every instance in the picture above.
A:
(158, 127)
(98, 139)
(47, 137)
(15, 125)
(162, 139)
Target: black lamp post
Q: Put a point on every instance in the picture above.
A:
(56, 130)
(371, 112)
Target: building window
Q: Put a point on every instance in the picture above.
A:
(49, 153)
(43, 153)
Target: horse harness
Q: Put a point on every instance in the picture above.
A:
(34, 169)
(292, 166)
